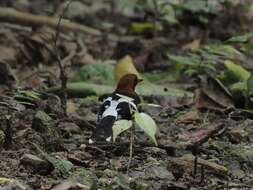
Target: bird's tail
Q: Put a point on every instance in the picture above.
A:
(103, 131)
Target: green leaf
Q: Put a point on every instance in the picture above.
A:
(120, 126)
(238, 87)
(126, 7)
(237, 70)
(168, 13)
(141, 27)
(195, 6)
(27, 95)
(61, 166)
(83, 89)
(224, 50)
(185, 60)
(4, 180)
(250, 85)
(121, 181)
(146, 123)
(150, 89)
(242, 38)
(99, 72)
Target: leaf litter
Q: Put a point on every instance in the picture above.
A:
(204, 138)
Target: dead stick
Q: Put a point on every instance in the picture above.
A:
(8, 133)
(195, 168)
(130, 150)
(63, 74)
(28, 19)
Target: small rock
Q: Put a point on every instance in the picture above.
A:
(21, 5)
(177, 186)
(70, 146)
(36, 164)
(86, 60)
(53, 105)
(154, 151)
(15, 185)
(70, 185)
(239, 174)
(76, 161)
(151, 110)
(158, 172)
(238, 134)
(42, 122)
(83, 146)
(153, 172)
(46, 126)
(188, 117)
(77, 10)
(69, 128)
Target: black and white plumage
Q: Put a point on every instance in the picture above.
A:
(118, 105)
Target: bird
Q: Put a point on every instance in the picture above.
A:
(117, 105)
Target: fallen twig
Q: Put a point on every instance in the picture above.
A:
(28, 19)
(187, 162)
(130, 150)
(202, 135)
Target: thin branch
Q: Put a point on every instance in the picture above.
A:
(130, 149)
(12, 16)
(58, 26)
(8, 133)
(63, 75)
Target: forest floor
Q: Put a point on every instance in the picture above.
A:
(205, 136)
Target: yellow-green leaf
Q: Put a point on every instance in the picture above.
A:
(146, 123)
(120, 126)
(4, 180)
(125, 66)
(140, 27)
(237, 70)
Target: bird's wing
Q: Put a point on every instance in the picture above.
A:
(113, 108)
(103, 107)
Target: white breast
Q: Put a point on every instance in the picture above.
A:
(112, 110)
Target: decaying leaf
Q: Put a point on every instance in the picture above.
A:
(213, 95)
(202, 135)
